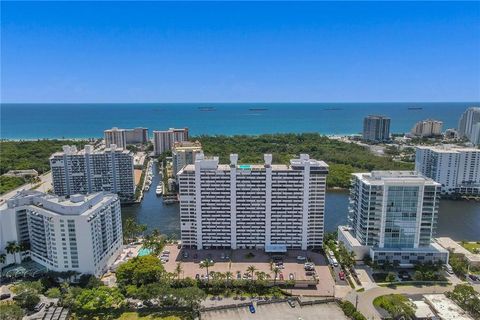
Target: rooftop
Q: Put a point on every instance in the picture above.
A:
(445, 308)
(396, 177)
(448, 148)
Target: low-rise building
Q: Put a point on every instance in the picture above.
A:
(445, 308)
(82, 233)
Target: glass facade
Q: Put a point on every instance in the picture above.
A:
(400, 217)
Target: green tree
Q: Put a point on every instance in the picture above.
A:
(467, 298)
(275, 271)
(191, 296)
(140, 270)
(251, 269)
(206, 264)
(12, 248)
(99, 299)
(10, 311)
(53, 293)
(27, 299)
(178, 270)
(391, 277)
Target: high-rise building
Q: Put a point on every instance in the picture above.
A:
(376, 128)
(456, 169)
(89, 170)
(393, 217)
(268, 206)
(184, 153)
(136, 135)
(164, 140)
(115, 136)
(122, 137)
(83, 233)
(467, 125)
(427, 128)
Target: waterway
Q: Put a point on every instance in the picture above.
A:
(459, 220)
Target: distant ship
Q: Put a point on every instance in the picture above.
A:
(206, 108)
(332, 109)
(415, 108)
(258, 109)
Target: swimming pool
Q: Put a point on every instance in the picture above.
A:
(245, 166)
(144, 252)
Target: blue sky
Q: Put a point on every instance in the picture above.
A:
(240, 52)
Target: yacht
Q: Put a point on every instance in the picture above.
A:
(159, 190)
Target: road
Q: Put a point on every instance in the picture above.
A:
(45, 185)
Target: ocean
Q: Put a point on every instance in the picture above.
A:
(33, 121)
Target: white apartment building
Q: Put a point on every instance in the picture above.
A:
(164, 140)
(83, 233)
(184, 153)
(88, 170)
(122, 137)
(456, 169)
(427, 128)
(469, 125)
(393, 217)
(252, 206)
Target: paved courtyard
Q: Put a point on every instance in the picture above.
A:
(239, 261)
(278, 311)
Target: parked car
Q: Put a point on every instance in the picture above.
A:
(310, 273)
(239, 275)
(251, 308)
(448, 268)
(185, 255)
(197, 276)
(291, 276)
(281, 276)
(166, 252)
(341, 275)
(301, 258)
(222, 256)
(291, 303)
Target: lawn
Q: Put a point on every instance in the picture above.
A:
(137, 316)
(473, 247)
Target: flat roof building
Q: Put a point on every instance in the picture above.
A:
(252, 206)
(83, 233)
(88, 170)
(393, 217)
(184, 153)
(456, 169)
(164, 140)
(376, 128)
(123, 137)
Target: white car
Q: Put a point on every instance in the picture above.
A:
(301, 258)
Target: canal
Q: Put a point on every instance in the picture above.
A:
(459, 220)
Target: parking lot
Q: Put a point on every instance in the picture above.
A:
(278, 311)
(237, 262)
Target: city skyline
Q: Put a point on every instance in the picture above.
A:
(249, 52)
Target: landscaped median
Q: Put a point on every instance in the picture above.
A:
(396, 305)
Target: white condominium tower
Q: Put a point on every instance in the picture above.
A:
(252, 206)
(376, 128)
(164, 140)
(393, 217)
(122, 137)
(90, 170)
(456, 169)
(83, 233)
(184, 153)
(427, 128)
(469, 125)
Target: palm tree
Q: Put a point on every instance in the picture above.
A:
(275, 270)
(178, 270)
(251, 269)
(228, 275)
(207, 263)
(3, 258)
(12, 248)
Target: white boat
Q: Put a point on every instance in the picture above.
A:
(147, 188)
(159, 190)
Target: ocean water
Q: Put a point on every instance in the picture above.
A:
(32, 121)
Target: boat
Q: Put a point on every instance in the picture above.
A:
(332, 109)
(415, 108)
(159, 190)
(206, 108)
(258, 109)
(147, 187)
